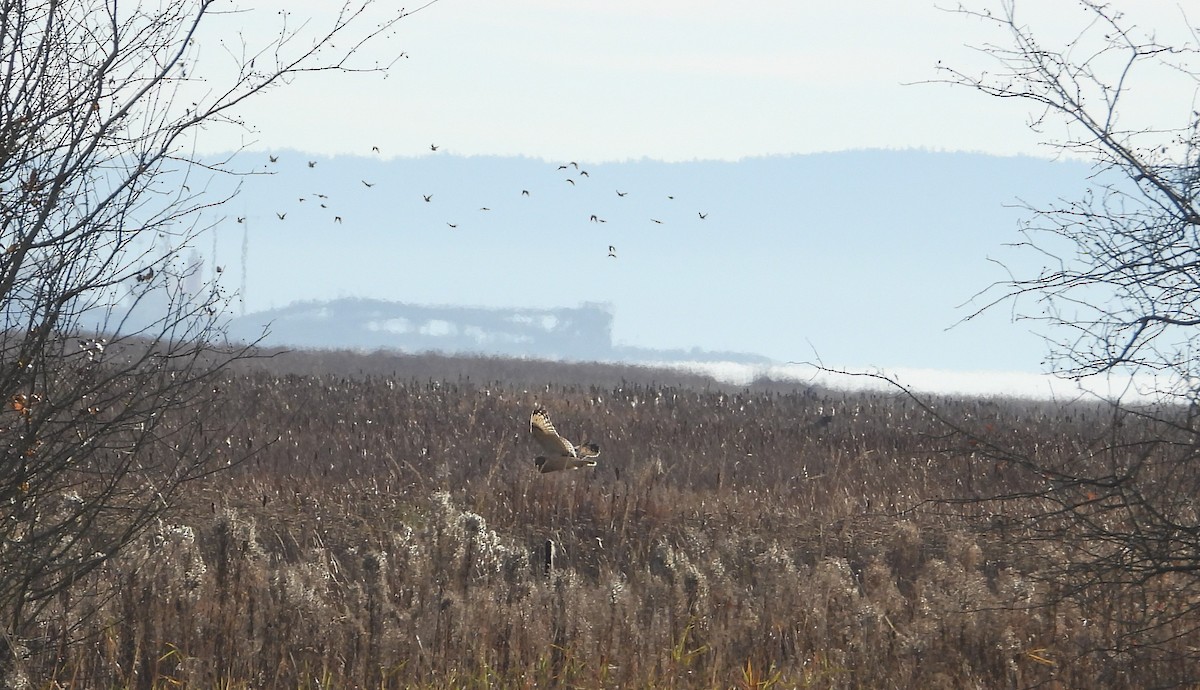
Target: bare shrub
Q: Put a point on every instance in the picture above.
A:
(111, 347)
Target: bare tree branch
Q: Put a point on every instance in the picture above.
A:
(1119, 293)
(110, 365)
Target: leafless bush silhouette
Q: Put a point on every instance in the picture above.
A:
(1115, 296)
(108, 363)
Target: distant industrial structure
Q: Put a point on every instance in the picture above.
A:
(581, 333)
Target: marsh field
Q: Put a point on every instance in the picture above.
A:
(380, 524)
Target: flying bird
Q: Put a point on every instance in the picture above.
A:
(584, 173)
(433, 147)
(657, 221)
(369, 184)
(274, 159)
(594, 218)
(561, 454)
(241, 219)
(374, 149)
(612, 251)
(453, 225)
(571, 181)
(428, 197)
(337, 219)
(620, 193)
(702, 215)
(562, 167)
(281, 215)
(312, 164)
(484, 208)
(524, 192)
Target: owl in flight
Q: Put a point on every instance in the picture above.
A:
(561, 454)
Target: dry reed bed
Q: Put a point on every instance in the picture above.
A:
(388, 531)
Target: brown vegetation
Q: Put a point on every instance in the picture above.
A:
(389, 530)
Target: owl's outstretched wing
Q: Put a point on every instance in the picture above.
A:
(547, 437)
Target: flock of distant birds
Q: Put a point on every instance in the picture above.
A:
(571, 167)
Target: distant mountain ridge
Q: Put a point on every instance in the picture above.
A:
(581, 333)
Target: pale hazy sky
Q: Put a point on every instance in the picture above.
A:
(666, 79)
